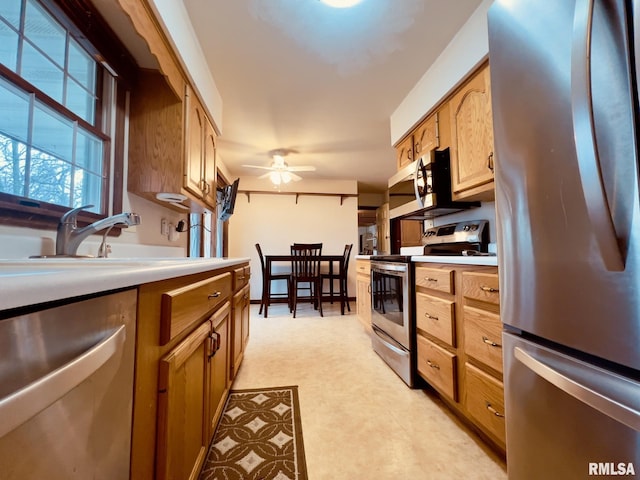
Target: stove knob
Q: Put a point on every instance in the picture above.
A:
(474, 226)
(466, 228)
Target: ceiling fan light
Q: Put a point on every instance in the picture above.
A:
(278, 161)
(341, 3)
(275, 178)
(286, 177)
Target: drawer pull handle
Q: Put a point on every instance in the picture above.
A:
(214, 343)
(493, 410)
(484, 288)
(490, 342)
(433, 365)
(431, 279)
(431, 316)
(214, 295)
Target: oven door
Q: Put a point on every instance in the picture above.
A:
(390, 301)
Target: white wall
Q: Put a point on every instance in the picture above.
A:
(275, 221)
(468, 49)
(143, 240)
(174, 18)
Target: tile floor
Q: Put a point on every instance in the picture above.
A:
(359, 420)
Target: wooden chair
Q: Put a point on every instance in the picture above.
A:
(267, 278)
(333, 275)
(306, 270)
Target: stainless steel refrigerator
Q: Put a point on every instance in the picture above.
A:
(564, 83)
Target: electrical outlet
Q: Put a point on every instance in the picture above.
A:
(164, 227)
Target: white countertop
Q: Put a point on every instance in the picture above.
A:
(456, 259)
(459, 260)
(33, 281)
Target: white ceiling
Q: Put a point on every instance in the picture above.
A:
(323, 82)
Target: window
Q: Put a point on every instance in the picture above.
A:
(61, 107)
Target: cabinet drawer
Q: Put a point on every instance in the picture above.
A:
(437, 366)
(481, 286)
(485, 401)
(483, 336)
(436, 317)
(363, 267)
(440, 279)
(183, 307)
(241, 277)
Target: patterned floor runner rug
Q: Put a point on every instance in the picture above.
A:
(259, 437)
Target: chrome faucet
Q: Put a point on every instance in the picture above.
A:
(70, 237)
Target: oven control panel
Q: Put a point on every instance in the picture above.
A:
(473, 231)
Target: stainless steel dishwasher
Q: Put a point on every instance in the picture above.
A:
(66, 390)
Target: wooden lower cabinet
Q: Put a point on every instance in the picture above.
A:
(182, 379)
(484, 400)
(363, 293)
(459, 335)
(438, 367)
(182, 405)
(219, 361)
(240, 328)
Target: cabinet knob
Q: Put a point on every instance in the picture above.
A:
(490, 161)
(433, 365)
(214, 295)
(431, 317)
(485, 288)
(490, 342)
(431, 279)
(493, 410)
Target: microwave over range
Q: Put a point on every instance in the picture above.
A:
(422, 189)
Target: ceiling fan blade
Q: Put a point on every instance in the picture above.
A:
(258, 166)
(302, 168)
(295, 177)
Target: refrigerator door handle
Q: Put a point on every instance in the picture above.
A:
(585, 140)
(588, 384)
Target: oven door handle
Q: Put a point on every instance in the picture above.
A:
(392, 270)
(387, 339)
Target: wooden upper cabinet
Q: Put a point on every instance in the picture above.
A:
(425, 136)
(472, 156)
(199, 160)
(404, 152)
(155, 137)
(209, 164)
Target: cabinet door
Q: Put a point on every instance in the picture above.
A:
(245, 317)
(384, 234)
(364, 299)
(425, 136)
(209, 165)
(410, 233)
(182, 392)
(484, 399)
(404, 152)
(239, 329)
(194, 139)
(472, 139)
(219, 361)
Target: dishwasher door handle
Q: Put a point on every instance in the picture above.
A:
(23, 404)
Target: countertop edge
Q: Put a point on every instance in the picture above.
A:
(59, 284)
(457, 260)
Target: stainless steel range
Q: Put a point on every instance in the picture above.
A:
(393, 292)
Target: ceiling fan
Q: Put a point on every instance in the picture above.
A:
(279, 171)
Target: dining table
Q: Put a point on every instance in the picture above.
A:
(271, 259)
